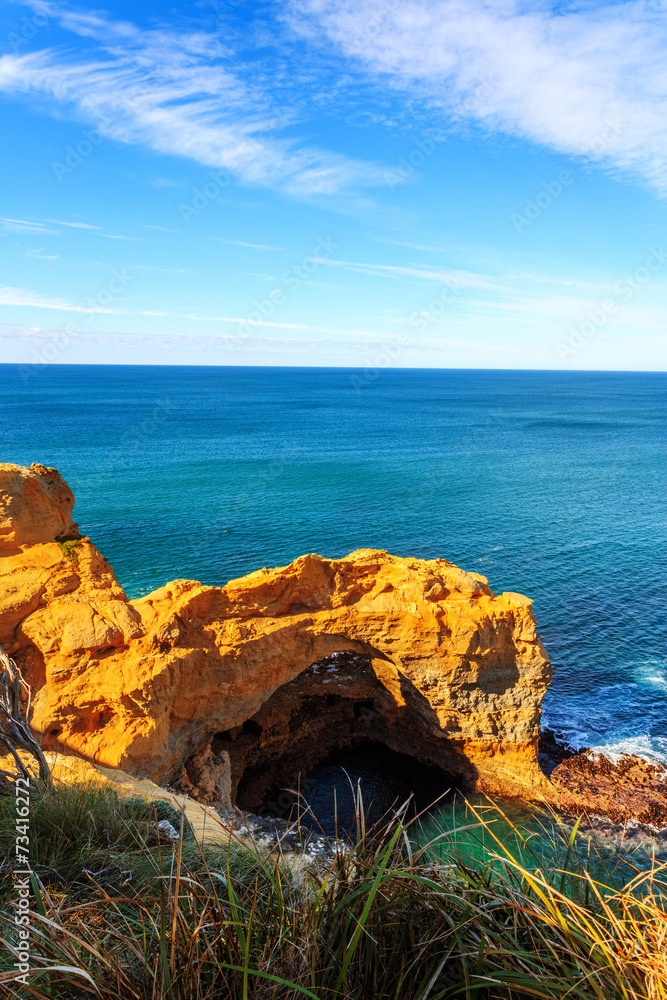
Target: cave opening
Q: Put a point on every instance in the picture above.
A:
(344, 715)
(324, 797)
(336, 727)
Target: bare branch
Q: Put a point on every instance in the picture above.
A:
(15, 732)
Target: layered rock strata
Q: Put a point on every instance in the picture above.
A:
(204, 685)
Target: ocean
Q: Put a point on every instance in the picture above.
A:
(552, 484)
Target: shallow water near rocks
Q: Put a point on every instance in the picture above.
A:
(470, 825)
(364, 786)
(366, 783)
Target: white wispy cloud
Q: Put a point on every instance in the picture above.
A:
(24, 297)
(40, 255)
(73, 225)
(165, 182)
(411, 246)
(113, 236)
(255, 345)
(590, 81)
(25, 346)
(26, 226)
(173, 92)
(10, 296)
(476, 298)
(240, 243)
(36, 227)
(424, 273)
(252, 323)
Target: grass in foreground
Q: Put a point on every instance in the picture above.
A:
(383, 919)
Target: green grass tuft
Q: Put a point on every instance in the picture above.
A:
(76, 830)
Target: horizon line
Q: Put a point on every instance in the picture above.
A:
(40, 368)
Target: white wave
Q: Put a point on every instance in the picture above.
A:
(653, 672)
(576, 737)
(613, 687)
(651, 748)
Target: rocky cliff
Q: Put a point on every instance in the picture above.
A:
(443, 668)
(241, 686)
(231, 692)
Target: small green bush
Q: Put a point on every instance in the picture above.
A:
(69, 545)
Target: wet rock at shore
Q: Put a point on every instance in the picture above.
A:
(628, 789)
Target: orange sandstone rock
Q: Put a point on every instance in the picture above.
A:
(449, 671)
(35, 506)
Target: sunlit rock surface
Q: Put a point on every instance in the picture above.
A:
(198, 684)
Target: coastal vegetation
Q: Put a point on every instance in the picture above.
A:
(119, 913)
(69, 546)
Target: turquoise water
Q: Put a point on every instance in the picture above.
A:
(549, 483)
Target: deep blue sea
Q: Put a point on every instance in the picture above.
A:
(552, 484)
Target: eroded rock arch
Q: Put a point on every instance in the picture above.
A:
(147, 684)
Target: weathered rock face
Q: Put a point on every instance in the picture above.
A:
(167, 685)
(35, 506)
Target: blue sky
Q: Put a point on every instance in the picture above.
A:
(431, 183)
